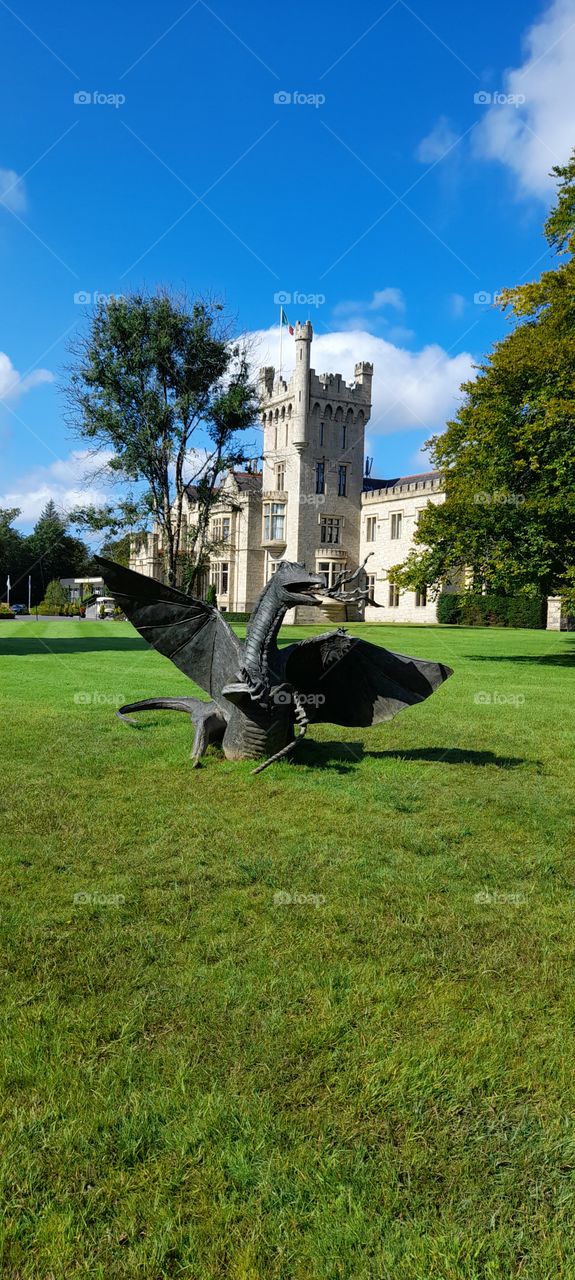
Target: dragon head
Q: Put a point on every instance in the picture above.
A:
(292, 585)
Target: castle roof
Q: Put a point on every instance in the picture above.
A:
(248, 481)
(369, 483)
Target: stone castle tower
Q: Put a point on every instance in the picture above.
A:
(314, 434)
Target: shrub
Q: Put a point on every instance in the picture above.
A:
(211, 596)
(448, 608)
(55, 599)
(472, 610)
(6, 612)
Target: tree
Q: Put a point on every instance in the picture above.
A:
(158, 382)
(12, 550)
(508, 458)
(56, 596)
(52, 552)
(117, 549)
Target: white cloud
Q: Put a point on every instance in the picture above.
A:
(12, 191)
(67, 481)
(538, 132)
(411, 389)
(379, 300)
(13, 385)
(357, 314)
(437, 143)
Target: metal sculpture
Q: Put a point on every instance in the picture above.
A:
(261, 693)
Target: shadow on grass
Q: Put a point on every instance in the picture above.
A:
(344, 756)
(544, 660)
(23, 646)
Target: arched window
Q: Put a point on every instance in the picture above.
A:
(338, 416)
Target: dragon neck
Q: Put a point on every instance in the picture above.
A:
(263, 628)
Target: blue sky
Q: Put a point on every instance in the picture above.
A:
(390, 196)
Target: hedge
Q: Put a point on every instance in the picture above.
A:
(470, 610)
(236, 617)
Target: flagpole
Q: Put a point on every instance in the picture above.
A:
(281, 336)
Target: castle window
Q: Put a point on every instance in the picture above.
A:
(226, 527)
(275, 438)
(344, 436)
(220, 577)
(341, 481)
(370, 528)
(329, 531)
(393, 597)
(274, 521)
(321, 427)
(280, 475)
(421, 598)
(330, 570)
(396, 523)
(320, 477)
(371, 585)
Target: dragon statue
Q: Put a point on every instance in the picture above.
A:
(259, 693)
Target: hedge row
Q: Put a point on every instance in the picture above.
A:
(64, 611)
(236, 617)
(470, 610)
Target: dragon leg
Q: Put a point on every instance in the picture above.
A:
(209, 728)
(208, 721)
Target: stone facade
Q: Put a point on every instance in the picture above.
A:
(310, 503)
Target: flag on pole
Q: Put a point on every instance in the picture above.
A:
(285, 322)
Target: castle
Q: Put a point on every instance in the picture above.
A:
(311, 502)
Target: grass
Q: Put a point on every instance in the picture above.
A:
(200, 1083)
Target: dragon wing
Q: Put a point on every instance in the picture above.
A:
(192, 634)
(350, 682)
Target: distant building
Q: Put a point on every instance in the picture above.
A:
(78, 588)
(311, 502)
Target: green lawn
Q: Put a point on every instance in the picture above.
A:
(201, 1083)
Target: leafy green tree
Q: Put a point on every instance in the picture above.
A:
(54, 553)
(508, 458)
(117, 549)
(56, 597)
(159, 383)
(12, 551)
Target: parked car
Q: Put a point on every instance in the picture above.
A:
(19, 608)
